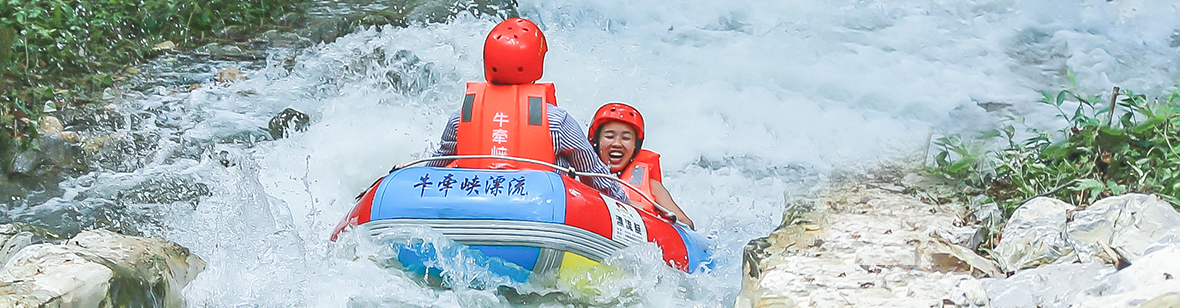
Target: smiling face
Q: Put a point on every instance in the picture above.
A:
(616, 145)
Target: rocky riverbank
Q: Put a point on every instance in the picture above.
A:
(93, 269)
(886, 244)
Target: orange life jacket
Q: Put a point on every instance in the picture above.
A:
(644, 168)
(505, 120)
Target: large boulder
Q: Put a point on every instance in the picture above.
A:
(16, 236)
(99, 269)
(1138, 234)
(1032, 236)
(1115, 230)
(1124, 226)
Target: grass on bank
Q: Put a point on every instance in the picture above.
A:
(66, 51)
(1122, 144)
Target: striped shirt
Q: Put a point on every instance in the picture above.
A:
(571, 145)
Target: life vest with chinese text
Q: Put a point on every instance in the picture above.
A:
(505, 120)
(644, 168)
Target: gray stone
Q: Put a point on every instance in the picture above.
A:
(292, 20)
(229, 51)
(1054, 285)
(1032, 236)
(286, 122)
(91, 117)
(99, 269)
(15, 236)
(26, 162)
(1125, 225)
(1151, 276)
(987, 214)
(10, 244)
(274, 38)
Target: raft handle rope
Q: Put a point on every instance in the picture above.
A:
(570, 171)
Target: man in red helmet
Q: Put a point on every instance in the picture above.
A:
(617, 134)
(511, 115)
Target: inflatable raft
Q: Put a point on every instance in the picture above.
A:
(539, 221)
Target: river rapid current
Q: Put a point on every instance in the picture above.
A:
(751, 103)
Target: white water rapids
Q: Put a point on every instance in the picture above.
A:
(747, 101)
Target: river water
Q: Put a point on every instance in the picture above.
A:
(752, 104)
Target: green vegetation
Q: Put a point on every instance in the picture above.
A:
(65, 51)
(1104, 151)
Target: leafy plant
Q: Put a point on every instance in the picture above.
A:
(65, 50)
(1103, 151)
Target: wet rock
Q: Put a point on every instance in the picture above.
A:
(235, 33)
(229, 74)
(70, 137)
(92, 117)
(53, 157)
(122, 152)
(287, 122)
(248, 138)
(374, 19)
(165, 45)
(752, 256)
(1032, 236)
(50, 125)
(15, 236)
(416, 12)
(27, 161)
(410, 75)
(296, 20)
(13, 243)
(274, 38)
(228, 51)
(326, 30)
(99, 268)
(993, 106)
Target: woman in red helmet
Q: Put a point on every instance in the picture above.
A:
(617, 134)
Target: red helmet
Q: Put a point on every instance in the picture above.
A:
(616, 111)
(514, 52)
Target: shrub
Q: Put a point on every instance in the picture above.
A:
(1105, 150)
(57, 51)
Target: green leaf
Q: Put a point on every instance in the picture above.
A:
(1094, 186)
(1115, 188)
(988, 134)
(1148, 124)
(1056, 150)
(962, 164)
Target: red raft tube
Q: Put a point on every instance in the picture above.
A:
(536, 222)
